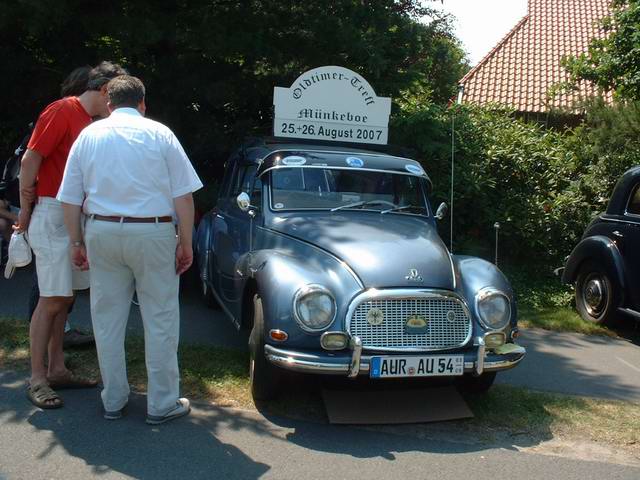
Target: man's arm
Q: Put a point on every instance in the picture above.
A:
(185, 212)
(72, 221)
(29, 166)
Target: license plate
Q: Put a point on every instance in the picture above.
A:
(425, 366)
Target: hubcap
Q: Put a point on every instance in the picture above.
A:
(594, 294)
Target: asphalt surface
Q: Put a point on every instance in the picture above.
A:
(556, 362)
(76, 443)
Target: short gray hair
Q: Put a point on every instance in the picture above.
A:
(125, 91)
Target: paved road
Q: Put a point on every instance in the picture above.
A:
(76, 443)
(556, 362)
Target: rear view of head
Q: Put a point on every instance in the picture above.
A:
(99, 76)
(126, 91)
(76, 82)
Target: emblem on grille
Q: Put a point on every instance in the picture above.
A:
(375, 316)
(416, 324)
(451, 316)
(414, 276)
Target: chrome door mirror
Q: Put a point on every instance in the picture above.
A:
(442, 211)
(243, 201)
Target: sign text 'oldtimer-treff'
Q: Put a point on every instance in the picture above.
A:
(331, 103)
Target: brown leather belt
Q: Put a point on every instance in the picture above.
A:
(106, 218)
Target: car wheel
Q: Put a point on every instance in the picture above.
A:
(207, 295)
(596, 296)
(263, 376)
(480, 384)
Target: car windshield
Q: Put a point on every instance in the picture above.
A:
(340, 189)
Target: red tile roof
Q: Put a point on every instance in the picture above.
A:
(520, 71)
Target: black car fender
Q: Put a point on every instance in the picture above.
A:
(599, 249)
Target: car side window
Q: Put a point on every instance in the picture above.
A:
(231, 167)
(634, 202)
(256, 193)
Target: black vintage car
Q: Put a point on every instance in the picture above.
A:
(605, 265)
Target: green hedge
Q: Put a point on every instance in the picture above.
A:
(542, 185)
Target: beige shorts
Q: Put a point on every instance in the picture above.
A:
(50, 243)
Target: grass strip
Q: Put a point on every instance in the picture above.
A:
(221, 376)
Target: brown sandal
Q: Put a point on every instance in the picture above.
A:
(71, 380)
(42, 396)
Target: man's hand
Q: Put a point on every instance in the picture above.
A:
(79, 257)
(28, 193)
(24, 219)
(184, 258)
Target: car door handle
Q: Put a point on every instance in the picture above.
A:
(219, 216)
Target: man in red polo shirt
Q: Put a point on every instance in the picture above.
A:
(43, 166)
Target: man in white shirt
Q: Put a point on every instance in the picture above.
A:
(131, 176)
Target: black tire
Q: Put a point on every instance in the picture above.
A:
(597, 298)
(264, 377)
(480, 384)
(207, 296)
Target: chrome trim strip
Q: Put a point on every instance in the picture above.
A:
(354, 367)
(453, 271)
(402, 294)
(480, 356)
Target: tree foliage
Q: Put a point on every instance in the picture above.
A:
(542, 185)
(210, 65)
(613, 62)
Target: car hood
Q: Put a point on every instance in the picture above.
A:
(382, 249)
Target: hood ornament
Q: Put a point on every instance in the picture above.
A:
(414, 276)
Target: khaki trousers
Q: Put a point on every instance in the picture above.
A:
(124, 257)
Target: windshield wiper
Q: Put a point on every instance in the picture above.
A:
(357, 204)
(396, 209)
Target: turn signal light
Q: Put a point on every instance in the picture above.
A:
(334, 340)
(278, 335)
(494, 340)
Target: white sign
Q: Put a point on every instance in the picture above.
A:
(331, 103)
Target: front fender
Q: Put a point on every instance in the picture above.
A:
(474, 274)
(278, 275)
(601, 250)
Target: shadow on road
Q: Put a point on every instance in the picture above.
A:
(185, 448)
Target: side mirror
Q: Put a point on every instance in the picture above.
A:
(243, 201)
(442, 211)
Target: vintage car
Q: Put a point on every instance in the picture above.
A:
(605, 265)
(329, 255)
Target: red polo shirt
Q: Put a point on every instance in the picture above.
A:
(56, 129)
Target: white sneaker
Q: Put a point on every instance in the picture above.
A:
(182, 408)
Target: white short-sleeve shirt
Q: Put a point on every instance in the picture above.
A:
(127, 165)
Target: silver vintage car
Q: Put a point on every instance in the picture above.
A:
(331, 258)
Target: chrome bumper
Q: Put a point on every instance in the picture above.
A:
(354, 363)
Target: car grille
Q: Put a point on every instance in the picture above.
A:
(441, 332)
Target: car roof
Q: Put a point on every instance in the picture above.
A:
(264, 154)
(620, 196)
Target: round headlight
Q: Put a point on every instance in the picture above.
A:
(314, 308)
(494, 308)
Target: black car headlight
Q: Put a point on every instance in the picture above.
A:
(314, 308)
(493, 308)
